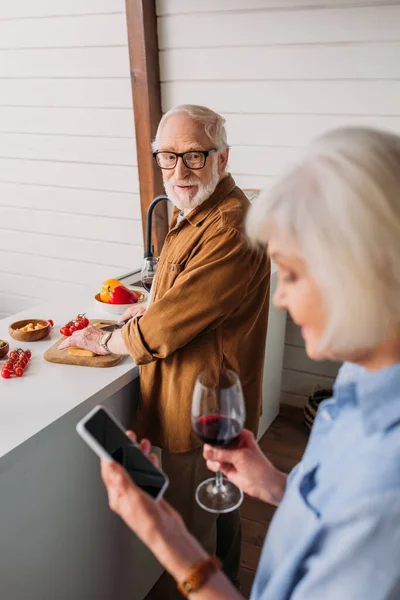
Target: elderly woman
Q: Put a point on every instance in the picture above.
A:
(332, 226)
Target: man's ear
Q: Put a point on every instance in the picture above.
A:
(223, 161)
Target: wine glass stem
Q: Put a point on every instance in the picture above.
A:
(218, 479)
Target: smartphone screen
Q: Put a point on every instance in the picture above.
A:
(114, 441)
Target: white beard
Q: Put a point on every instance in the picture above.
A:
(184, 202)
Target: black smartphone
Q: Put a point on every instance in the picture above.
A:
(107, 438)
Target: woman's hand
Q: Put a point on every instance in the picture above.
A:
(157, 524)
(88, 339)
(248, 468)
(132, 312)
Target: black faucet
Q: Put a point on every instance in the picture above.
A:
(149, 252)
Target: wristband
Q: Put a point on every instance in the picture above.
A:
(199, 575)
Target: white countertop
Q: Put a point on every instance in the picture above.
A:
(47, 391)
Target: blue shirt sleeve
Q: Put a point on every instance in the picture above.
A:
(356, 555)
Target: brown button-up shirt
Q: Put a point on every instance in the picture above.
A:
(209, 310)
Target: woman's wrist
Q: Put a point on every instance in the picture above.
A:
(178, 554)
(180, 558)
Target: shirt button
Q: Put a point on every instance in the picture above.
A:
(325, 415)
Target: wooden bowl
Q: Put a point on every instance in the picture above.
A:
(119, 309)
(29, 336)
(4, 349)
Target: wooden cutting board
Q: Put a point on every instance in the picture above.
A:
(61, 357)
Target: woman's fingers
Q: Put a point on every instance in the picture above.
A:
(225, 468)
(113, 475)
(154, 459)
(145, 445)
(219, 455)
(246, 439)
(131, 435)
(213, 465)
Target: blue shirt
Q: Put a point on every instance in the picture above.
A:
(336, 533)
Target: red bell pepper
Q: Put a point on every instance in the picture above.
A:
(121, 295)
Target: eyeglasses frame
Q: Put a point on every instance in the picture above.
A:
(205, 153)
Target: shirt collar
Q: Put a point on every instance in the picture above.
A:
(377, 394)
(201, 212)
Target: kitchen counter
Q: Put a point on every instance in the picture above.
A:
(48, 391)
(58, 537)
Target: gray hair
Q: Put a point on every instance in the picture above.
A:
(213, 123)
(340, 208)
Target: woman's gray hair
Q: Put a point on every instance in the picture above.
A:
(213, 123)
(339, 207)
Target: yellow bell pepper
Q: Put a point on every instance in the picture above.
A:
(107, 288)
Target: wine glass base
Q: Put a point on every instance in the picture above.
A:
(223, 499)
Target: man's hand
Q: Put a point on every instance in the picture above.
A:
(248, 468)
(132, 312)
(88, 339)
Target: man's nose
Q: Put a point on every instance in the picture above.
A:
(181, 170)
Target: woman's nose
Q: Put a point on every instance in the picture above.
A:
(278, 298)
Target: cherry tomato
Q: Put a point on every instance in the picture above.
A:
(28, 353)
(51, 322)
(80, 317)
(19, 371)
(79, 325)
(72, 329)
(85, 322)
(65, 331)
(14, 354)
(5, 373)
(23, 362)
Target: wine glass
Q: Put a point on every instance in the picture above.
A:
(148, 271)
(218, 416)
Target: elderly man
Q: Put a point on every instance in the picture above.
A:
(209, 308)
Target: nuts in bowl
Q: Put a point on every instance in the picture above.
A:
(29, 330)
(4, 348)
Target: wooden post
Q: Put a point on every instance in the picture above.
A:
(146, 94)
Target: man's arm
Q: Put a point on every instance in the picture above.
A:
(210, 288)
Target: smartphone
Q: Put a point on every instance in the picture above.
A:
(107, 438)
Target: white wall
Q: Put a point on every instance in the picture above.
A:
(69, 193)
(281, 72)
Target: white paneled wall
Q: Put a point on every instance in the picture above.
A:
(69, 192)
(282, 72)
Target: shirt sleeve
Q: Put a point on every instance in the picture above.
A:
(209, 289)
(356, 556)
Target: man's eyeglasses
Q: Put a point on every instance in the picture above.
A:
(195, 159)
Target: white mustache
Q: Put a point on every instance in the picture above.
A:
(188, 181)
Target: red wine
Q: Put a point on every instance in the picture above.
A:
(146, 283)
(217, 430)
